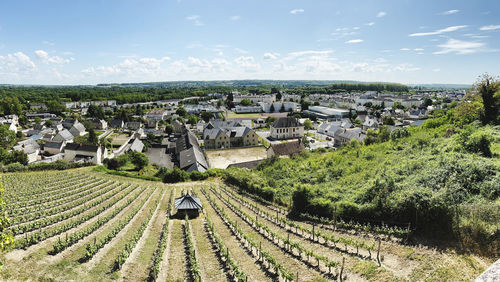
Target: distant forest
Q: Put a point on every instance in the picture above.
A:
(133, 93)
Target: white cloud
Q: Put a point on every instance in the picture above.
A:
(271, 56)
(436, 70)
(459, 47)
(370, 24)
(235, 18)
(45, 58)
(439, 31)
(381, 14)
(195, 19)
(16, 63)
(356, 28)
(489, 27)
(418, 49)
(247, 63)
(296, 11)
(354, 41)
(405, 49)
(450, 12)
(380, 60)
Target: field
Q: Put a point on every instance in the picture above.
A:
(244, 116)
(223, 158)
(84, 225)
(118, 139)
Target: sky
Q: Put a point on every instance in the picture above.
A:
(117, 41)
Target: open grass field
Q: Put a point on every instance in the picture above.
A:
(244, 116)
(223, 158)
(118, 139)
(88, 226)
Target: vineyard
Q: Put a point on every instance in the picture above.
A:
(83, 225)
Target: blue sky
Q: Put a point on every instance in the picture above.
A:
(89, 42)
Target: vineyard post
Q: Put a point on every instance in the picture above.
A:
(378, 253)
(342, 269)
(408, 232)
(288, 240)
(260, 250)
(297, 276)
(313, 231)
(276, 216)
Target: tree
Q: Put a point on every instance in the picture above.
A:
(192, 119)
(181, 112)
(246, 102)
(55, 107)
(48, 123)
(206, 116)
(139, 160)
(11, 106)
(271, 109)
(169, 129)
(489, 89)
(427, 102)
(17, 157)
(308, 124)
(282, 108)
(38, 120)
(387, 120)
(92, 136)
(7, 137)
(95, 112)
(305, 142)
(383, 134)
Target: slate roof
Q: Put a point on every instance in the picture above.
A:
(137, 145)
(188, 202)
(79, 126)
(66, 135)
(287, 148)
(117, 123)
(222, 124)
(54, 145)
(191, 156)
(81, 147)
(286, 122)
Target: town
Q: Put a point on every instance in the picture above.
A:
(216, 131)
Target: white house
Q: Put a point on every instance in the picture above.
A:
(79, 152)
(286, 128)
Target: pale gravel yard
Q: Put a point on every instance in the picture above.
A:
(223, 158)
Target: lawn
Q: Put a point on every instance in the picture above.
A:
(248, 116)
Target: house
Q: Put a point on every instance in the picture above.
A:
(157, 115)
(53, 148)
(136, 145)
(228, 137)
(80, 152)
(188, 153)
(69, 122)
(151, 123)
(30, 147)
(64, 135)
(178, 126)
(100, 124)
(77, 129)
(285, 149)
(215, 138)
(117, 123)
(286, 128)
(188, 205)
(344, 135)
(329, 128)
(370, 123)
(133, 125)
